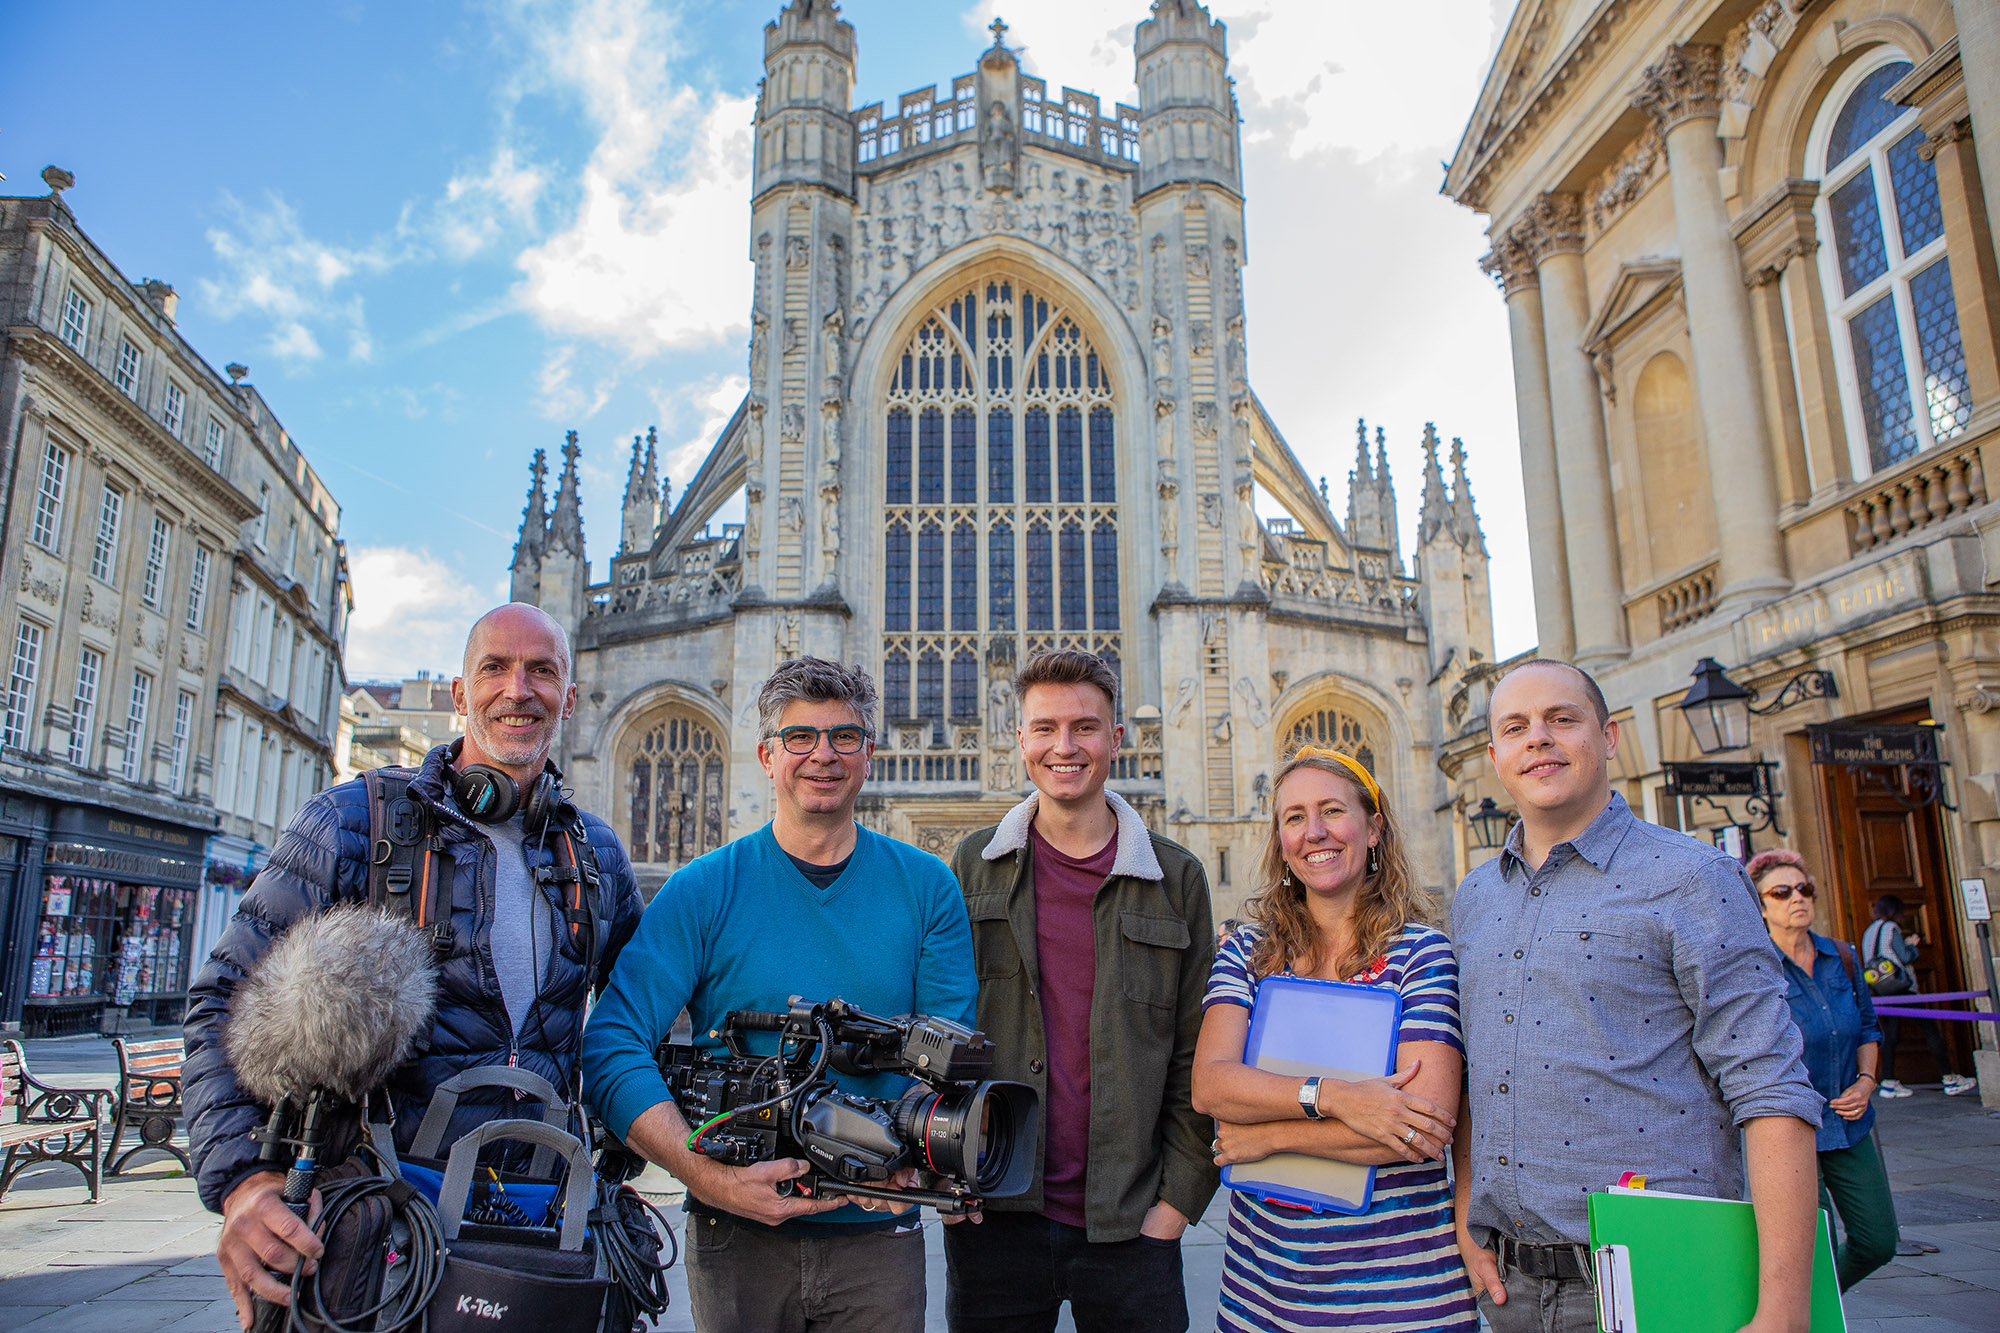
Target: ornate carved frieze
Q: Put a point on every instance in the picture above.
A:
(1619, 185)
(40, 581)
(1554, 226)
(1682, 85)
(910, 220)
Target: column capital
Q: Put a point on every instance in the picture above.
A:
(1511, 266)
(1553, 226)
(1682, 85)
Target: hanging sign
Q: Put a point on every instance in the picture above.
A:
(1883, 744)
(1719, 779)
(1974, 893)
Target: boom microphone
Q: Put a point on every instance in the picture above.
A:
(335, 1005)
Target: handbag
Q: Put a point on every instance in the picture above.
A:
(1884, 973)
(551, 1279)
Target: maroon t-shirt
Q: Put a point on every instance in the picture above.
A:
(1065, 939)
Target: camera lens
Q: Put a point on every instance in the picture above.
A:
(984, 1134)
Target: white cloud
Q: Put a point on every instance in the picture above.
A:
(644, 263)
(477, 210)
(273, 269)
(714, 400)
(410, 610)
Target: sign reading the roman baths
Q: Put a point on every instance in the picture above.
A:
(1880, 745)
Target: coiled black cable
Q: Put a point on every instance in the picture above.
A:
(638, 1278)
(408, 1286)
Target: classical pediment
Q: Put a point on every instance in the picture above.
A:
(1642, 286)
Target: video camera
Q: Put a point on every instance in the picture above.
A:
(968, 1137)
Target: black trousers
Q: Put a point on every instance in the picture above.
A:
(1892, 1033)
(1012, 1272)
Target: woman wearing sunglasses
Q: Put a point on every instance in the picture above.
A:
(1831, 1005)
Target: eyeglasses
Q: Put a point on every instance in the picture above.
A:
(1783, 892)
(804, 740)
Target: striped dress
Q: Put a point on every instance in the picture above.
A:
(1394, 1268)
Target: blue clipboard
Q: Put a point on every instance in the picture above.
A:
(1337, 1029)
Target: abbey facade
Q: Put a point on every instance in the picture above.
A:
(1000, 401)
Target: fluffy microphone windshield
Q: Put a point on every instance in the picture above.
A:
(335, 1004)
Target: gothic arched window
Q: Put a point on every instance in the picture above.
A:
(1024, 453)
(675, 791)
(1332, 729)
(1886, 277)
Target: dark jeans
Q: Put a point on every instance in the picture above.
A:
(740, 1278)
(1012, 1272)
(1892, 1032)
(1854, 1181)
(1542, 1305)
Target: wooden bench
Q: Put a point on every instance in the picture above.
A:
(148, 1099)
(39, 1123)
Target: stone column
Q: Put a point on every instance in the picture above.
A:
(1555, 627)
(1975, 277)
(1979, 56)
(1553, 235)
(1679, 93)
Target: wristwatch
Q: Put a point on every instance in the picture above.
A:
(1309, 1098)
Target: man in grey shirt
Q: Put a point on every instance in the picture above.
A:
(1624, 1010)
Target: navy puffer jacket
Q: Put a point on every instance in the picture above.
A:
(321, 860)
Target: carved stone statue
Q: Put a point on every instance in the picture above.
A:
(1247, 527)
(1163, 352)
(829, 522)
(1211, 509)
(760, 349)
(833, 355)
(1000, 713)
(1239, 383)
(792, 514)
(753, 436)
(1163, 430)
(829, 439)
(792, 422)
(1183, 699)
(997, 148)
(1170, 515)
(753, 519)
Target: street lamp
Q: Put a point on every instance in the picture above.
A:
(1717, 709)
(1489, 823)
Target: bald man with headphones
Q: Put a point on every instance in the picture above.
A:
(515, 963)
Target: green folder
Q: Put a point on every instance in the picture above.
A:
(1679, 1263)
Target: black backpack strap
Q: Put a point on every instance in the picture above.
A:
(576, 876)
(406, 874)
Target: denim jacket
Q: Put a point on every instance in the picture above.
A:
(1836, 1017)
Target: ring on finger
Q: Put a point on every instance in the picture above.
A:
(1410, 1137)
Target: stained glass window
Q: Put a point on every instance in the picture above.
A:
(1103, 456)
(1000, 575)
(930, 457)
(964, 456)
(953, 553)
(896, 585)
(930, 684)
(1000, 456)
(1037, 446)
(1885, 282)
(964, 685)
(674, 796)
(930, 575)
(896, 684)
(1104, 575)
(1041, 577)
(1947, 393)
(1069, 455)
(1073, 612)
(898, 456)
(964, 576)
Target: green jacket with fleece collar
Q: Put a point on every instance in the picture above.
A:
(1155, 943)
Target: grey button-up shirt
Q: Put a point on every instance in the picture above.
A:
(1624, 1010)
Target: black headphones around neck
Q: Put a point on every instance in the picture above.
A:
(487, 795)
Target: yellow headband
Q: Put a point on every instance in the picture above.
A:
(1352, 765)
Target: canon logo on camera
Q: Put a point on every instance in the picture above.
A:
(484, 1309)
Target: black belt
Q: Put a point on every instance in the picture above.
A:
(1565, 1263)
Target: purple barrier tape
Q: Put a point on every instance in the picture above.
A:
(1936, 995)
(1881, 1012)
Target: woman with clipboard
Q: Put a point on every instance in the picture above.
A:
(1313, 1243)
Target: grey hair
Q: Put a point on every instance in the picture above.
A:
(815, 680)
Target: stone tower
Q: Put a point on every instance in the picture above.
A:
(1452, 563)
(642, 506)
(529, 547)
(1371, 501)
(565, 573)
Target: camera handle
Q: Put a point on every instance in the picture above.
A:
(947, 1203)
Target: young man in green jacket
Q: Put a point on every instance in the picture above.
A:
(1093, 942)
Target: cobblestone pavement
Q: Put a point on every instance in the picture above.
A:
(143, 1259)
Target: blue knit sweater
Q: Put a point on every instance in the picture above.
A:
(741, 928)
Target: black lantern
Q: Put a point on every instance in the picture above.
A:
(1489, 823)
(1717, 709)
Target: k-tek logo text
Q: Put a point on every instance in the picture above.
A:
(484, 1309)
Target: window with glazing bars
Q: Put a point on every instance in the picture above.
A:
(212, 441)
(1037, 455)
(75, 326)
(964, 576)
(930, 457)
(156, 560)
(896, 684)
(930, 575)
(896, 457)
(104, 554)
(184, 707)
(135, 724)
(22, 669)
(126, 374)
(1074, 613)
(47, 527)
(930, 685)
(964, 685)
(83, 707)
(198, 588)
(896, 586)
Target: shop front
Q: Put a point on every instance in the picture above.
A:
(109, 902)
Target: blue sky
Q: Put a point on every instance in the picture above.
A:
(441, 234)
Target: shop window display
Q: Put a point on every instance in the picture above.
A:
(104, 942)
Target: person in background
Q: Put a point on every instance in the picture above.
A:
(1230, 925)
(1836, 1017)
(1884, 938)
(1338, 904)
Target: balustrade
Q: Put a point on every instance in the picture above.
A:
(1921, 494)
(1689, 600)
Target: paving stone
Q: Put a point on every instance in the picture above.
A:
(20, 1316)
(163, 1286)
(68, 1286)
(117, 1317)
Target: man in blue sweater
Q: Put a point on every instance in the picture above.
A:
(814, 905)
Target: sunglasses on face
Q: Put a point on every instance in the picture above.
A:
(1783, 892)
(804, 740)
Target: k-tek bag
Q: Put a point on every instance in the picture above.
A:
(553, 1280)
